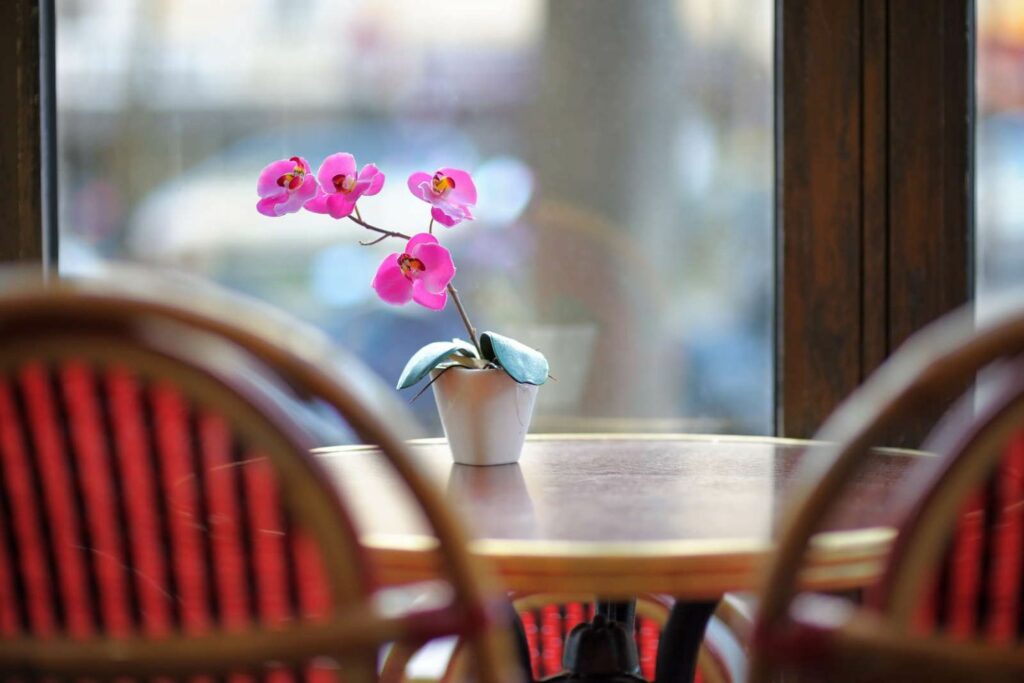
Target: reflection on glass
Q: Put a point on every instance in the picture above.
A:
(622, 151)
(1000, 149)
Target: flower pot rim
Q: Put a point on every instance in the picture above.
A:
(436, 373)
(463, 367)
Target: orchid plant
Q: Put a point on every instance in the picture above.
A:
(422, 272)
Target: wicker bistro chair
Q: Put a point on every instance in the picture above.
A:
(948, 607)
(160, 514)
(547, 619)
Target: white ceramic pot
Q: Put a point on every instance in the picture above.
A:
(485, 414)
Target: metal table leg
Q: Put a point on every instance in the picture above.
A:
(680, 641)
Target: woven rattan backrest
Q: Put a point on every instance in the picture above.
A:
(151, 495)
(956, 567)
(190, 399)
(970, 442)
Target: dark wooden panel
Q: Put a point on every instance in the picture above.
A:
(874, 191)
(874, 173)
(930, 203)
(819, 209)
(20, 204)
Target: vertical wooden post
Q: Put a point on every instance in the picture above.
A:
(818, 213)
(875, 179)
(21, 235)
(931, 178)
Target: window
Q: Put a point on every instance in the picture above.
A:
(999, 150)
(623, 153)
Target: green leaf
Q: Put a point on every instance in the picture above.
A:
(465, 348)
(428, 358)
(464, 361)
(523, 364)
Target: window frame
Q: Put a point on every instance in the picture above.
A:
(22, 82)
(875, 191)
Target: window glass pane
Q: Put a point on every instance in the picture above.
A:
(999, 150)
(622, 151)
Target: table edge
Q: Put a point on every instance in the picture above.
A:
(632, 436)
(691, 569)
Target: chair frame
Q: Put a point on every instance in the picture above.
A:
(792, 628)
(129, 315)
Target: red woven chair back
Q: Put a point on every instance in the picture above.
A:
(975, 592)
(547, 621)
(948, 606)
(126, 508)
(161, 514)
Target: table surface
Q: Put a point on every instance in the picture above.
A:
(619, 515)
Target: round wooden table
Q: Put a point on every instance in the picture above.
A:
(619, 516)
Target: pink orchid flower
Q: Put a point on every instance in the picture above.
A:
(449, 191)
(421, 273)
(284, 186)
(341, 186)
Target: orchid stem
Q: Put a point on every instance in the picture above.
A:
(382, 231)
(372, 242)
(465, 318)
(430, 228)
